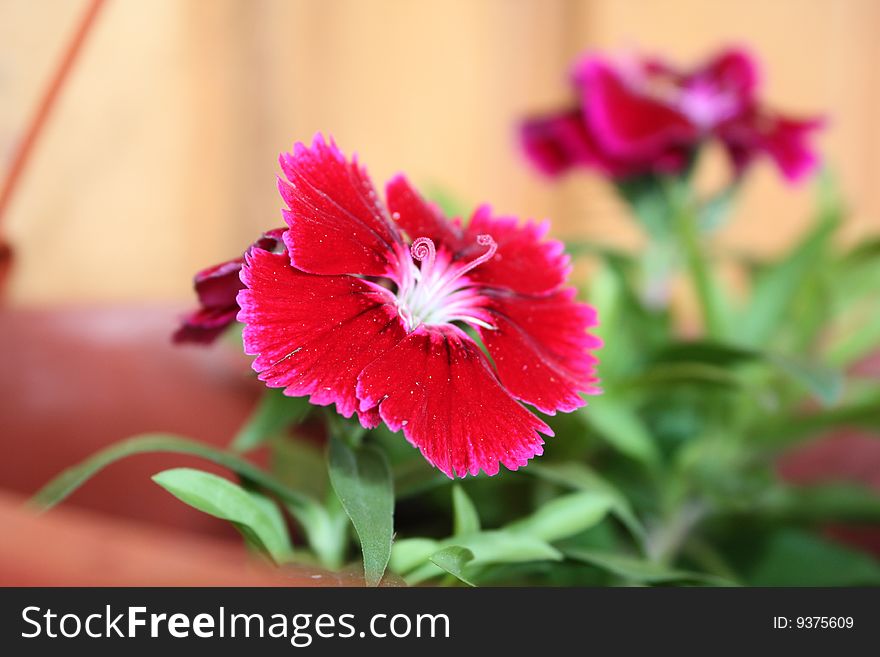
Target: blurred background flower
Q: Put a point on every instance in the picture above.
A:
(641, 115)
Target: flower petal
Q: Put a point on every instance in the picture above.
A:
(555, 143)
(734, 70)
(541, 348)
(626, 123)
(418, 218)
(524, 262)
(217, 288)
(437, 386)
(784, 139)
(312, 335)
(205, 325)
(337, 222)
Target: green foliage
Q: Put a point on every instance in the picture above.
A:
(274, 413)
(453, 559)
(640, 571)
(72, 478)
(788, 557)
(362, 481)
(776, 289)
(256, 516)
(319, 524)
(564, 516)
(467, 521)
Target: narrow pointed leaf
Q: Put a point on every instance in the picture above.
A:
(564, 516)
(639, 570)
(274, 413)
(453, 559)
(254, 515)
(465, 518)
(68, 481)
(618, 424)
(362, 481)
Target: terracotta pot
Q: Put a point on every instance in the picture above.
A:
(78, 379)
(74, 547)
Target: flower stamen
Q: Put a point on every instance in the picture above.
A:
(423, 250)
(435, 293)
(482, 240)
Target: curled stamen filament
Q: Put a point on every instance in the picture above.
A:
(482, 240)
(423, 250)
(435, 293)
(445, 284)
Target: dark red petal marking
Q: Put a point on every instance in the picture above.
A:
(337, 222)
(418, 217)
(437, 386)
(525, 262)
(312, 335)
(541, 348)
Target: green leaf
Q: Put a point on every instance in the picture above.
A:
(628, 327)
(580, 477)
(713, 213)
(795, 558)
(453, 559)
(68, 481)
(646, 196)
(362, 481)
(325, 532)
(706, 351)
(500, 546)
(775, 291)
(415, 476)
(620, 427)
(640, 570)
(465, 518)
(685, 374)
(255, 516)
(273, 413)
(488, 547)
(407, 554)
(564, 516)
(860, 342)
(825, 382)
(301, 465)
(838, 502)
(784, 430)
(309, 513)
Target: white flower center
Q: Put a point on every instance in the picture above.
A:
(706, 104)
(439, 292)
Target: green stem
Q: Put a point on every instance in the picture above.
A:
(664, 544)
(685, 227)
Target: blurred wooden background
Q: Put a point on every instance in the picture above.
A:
(161, 156)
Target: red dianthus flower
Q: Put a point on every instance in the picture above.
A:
(377, 309)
